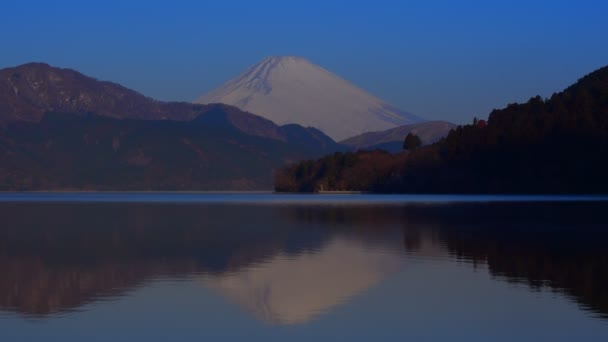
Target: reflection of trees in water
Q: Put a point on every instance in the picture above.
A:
(580, 271)
(560, 246)
(34, 286)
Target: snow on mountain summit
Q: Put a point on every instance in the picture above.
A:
(293, 90)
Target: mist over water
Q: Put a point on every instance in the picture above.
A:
(163, 266)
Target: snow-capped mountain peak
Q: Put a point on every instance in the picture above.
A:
(291, 89)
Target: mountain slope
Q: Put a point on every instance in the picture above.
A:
(30, 90)
(220, 115)
(60, 129)
(293, 90)
(392, 139)
(89, 152)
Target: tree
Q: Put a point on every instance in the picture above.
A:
(411, 142)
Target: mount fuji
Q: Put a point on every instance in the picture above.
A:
(293, 90)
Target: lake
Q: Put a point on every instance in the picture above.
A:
(260, 266)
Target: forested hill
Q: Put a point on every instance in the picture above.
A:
(555, 145)
(63, 130)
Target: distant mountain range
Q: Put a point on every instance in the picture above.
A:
(392, 139)
(60, 129)
(294, 90)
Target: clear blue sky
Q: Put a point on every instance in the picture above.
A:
(447, 60)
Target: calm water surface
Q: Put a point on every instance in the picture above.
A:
(183, 267)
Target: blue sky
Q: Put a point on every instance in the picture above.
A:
(447, 60)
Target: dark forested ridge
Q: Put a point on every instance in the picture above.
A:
(554, 145)
(90, 152)
(62, 130)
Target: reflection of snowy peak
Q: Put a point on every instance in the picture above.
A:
(295, 289)
(293, 90)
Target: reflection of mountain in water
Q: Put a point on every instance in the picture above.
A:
(287, 264)
(294, 289)
(57, 257)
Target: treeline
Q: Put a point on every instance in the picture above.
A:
(555, 145)
(362, 170)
